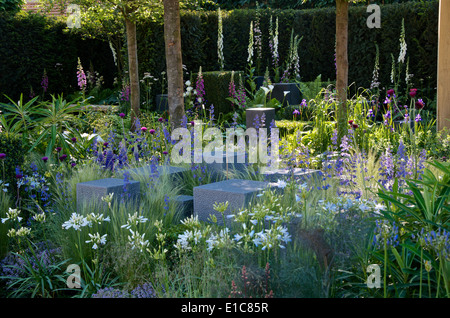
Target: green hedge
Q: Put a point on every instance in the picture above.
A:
(31, 43)
(317, 26)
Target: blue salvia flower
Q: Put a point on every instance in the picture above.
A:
(126, 182)
(166, 202)
(109, 160)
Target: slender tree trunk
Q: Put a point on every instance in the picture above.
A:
(135, 100)
(342, 64)
(172, 39)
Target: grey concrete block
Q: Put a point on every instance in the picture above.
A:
(252, 113)
(292, 98)
(185, 205)
(93, 191)
(237, 192)
(156, 171)
(288, 174)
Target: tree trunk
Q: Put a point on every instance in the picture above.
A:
(135, 100)
(341, 64)
(172, 39)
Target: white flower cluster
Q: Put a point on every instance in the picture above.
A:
(23, 231)
(134, 220)
(261, 226)
(137, 241)
(97, 240)
(189, 238)
(220, 40)
(12, 214)
(270, 238)
(77, 221)
(402, 55)
(250, 44)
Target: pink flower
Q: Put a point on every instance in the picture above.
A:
(152, 131)
(413, 92)
(144, 129)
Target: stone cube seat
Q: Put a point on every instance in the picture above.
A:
(237, 192)
(93, 191)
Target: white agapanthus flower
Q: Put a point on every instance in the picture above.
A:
(272, 237)
(76, 222)
(94, 218)
(281, 184)
(134, 220)
(12, 214)
(137, 241)
(23, 231)
(39, 217)
(97, 240)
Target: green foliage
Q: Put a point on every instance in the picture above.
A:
(216, 90)
(12, 147)
(316, 49)
(413, 216)
(32, 43)
(10, 6)
(57, 119)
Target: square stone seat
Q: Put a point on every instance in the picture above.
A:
(237, 192)
(93, 191)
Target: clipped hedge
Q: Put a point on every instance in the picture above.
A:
(317, 26)
(31, 43)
